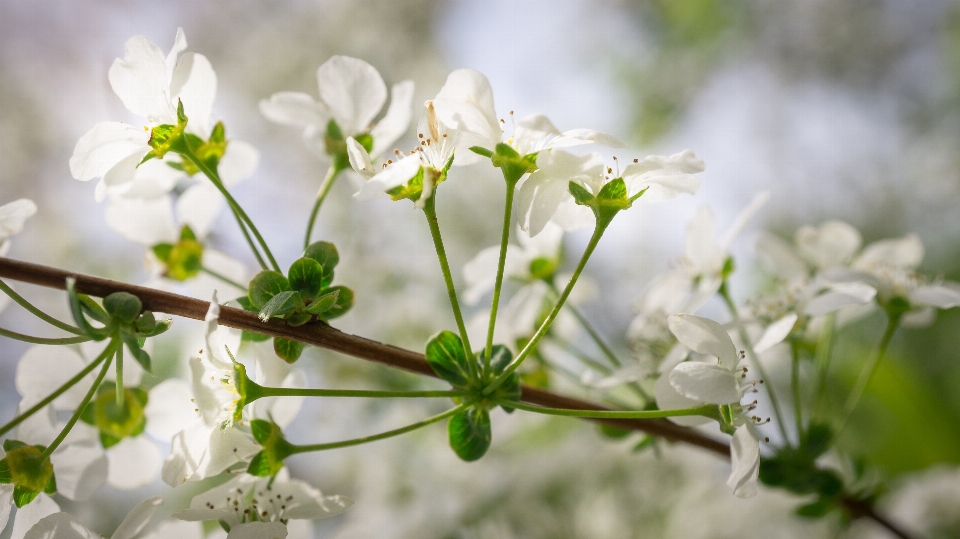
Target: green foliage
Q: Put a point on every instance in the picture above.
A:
(511, 164)
(116, 421)
(287, 350)
(29, 474)
(470, 434)
(447, 358)
(183, 259)
(610, 201)
(269, 461)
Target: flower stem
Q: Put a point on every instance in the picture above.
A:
(241, 216)
(430, 210)
(37, 312)
(119, 367)
(222, 277)
(108, 355)
(545, 326)
(823, 354)
(706, 410)
(300, 392)
(795, 386)
(328, 180)
(383, 435)
(495, 304)
(594, 334)
(50, 398)
(41, 340)
(774, 403)
(893, 322)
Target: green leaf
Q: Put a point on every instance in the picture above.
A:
(260, 428)
(93, 309)
(817, 509)
(479, 150)
(5, 475)
(10, 445)
(341, 305)
(265, 285)
(615, 433)
(108, 440)
(470, 434)
(146, 323)
(306, 277)
(324, 303)
(246, 304)
(23, 495)
(283, 303)
(447, 358)
(133, 345)
(260, 465)
(219, 134)
(287, 350)
(251, 336)
(816, 440)
(509, 390)
(325, 253)
(298, 319)
(613, 190)
(580, 194)
(162, 251)
(76, 302)
(163, 138)
(161, 327)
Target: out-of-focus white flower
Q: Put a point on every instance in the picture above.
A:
(465, 103)
(352, 93)
(480, 273)
(215, 439)
(259, 507)
(13, 215)
(150, 85)
(693, 383)
(545, 194)
(65, 526)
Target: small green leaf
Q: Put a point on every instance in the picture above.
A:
(447, 358)
(265, 285)
(246, 304)
(76, 302)
(9, 445)
(146, 323)
(162, 251)
(108, 440)
(23, 495)
(510, 389)
(470, 434)
(133, 345)
(325, 253)
(161, 327)
(287, 350)
(615, 189)
(816, 440)
(260, 465)
(817, 509)
(341, 305)
(615, 433)
(306, 277)
(298, 319)
(251, 336)
(93, 309)
(580, 194)
(219, 134)
(283, 303)
(324, 303)
(479, 150)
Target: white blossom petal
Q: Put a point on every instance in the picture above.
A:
(107, 144)
(906, 253)
(668, 398)
(775, 333)
(195, 84)
(137, 518)
(840, 295)
(354, 92)
(704, 336)
(178, 529)
(187, 450)
(43, 369)
(60, 525)
(746, 214)
(830, 245)
(29, 515)
(295, 108)
(6, 500)
(395, 174)
(360, 159)
(745, 458)
(465, 103)
(239, 161)
(780, 258)
(397, 119)
(480, 273)
(705, 382)
(134, 463)
(144, 221)
(169, 408)
(80, 469)
(13, 215)
(142, 81)
(199, 206)
(939, 296)
(576, 137)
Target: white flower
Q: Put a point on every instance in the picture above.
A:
(694, 383)
(259, 507)
(214, 440)
(351, 94)
(545, 194)
(13, 215)
(465, 103)
(65, 526)
(150, 85)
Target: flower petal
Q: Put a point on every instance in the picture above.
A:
(704, 336)
(107, 144)
(295, 108)
(745, 458)
(195, 84)
(480, 273)
(353, 90)
(395, 174)
(830, 245)
(187, 450)
(6, 501)
(705, 382)
(29, 515)
(144, 221)
(239, 161)
(198, 207)
(169, 408)
(775, 333)
(465, 102)
(397, 119)
(142, 81)
(779, 257)
(906, 253)
(43, 369)
(59, 526)
(176, 528)
(137, 518)
(134, 463)
(13, 215)
(939, 296)
(668, 398)
(81, 470)
(360, 159)
(840, 295)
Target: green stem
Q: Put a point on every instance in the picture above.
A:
(823, 355)
(498, 285)
(545, 326)
(37, 312)
(430, 210)
(321, 196)
(119, 367)
(383, 435)
(241, 215)
(594, 334)
(299, 392)
(589, 362)
(41, 340)
(59, 391)
(706, 410)
(795, 386)
(774, 403)
(222, 277)
(109, 351)
(893, 322)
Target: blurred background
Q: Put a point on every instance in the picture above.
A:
(843, 109)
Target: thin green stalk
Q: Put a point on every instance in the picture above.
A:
(321, 196)
(37, 312)
(594, 334)
(299, 392)
(774, 403)
(109, 351)
(222, 277)
(893, 322)
(795, 386)
(823, 355)
(41, 340)
(545, 326)
(119, 367)
(51, 397)
(383, 435)
(706, 410)
(241, 215)
(498, 285)
(430, 210)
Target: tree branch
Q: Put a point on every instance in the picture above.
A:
(324, 336)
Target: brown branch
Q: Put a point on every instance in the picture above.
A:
(324, 336)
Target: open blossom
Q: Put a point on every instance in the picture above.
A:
(545, 194)
(150, 85)
(65, 526)
(693, 383)
(352, 93)
(254, 507)
(465, 103)
(215, 439)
